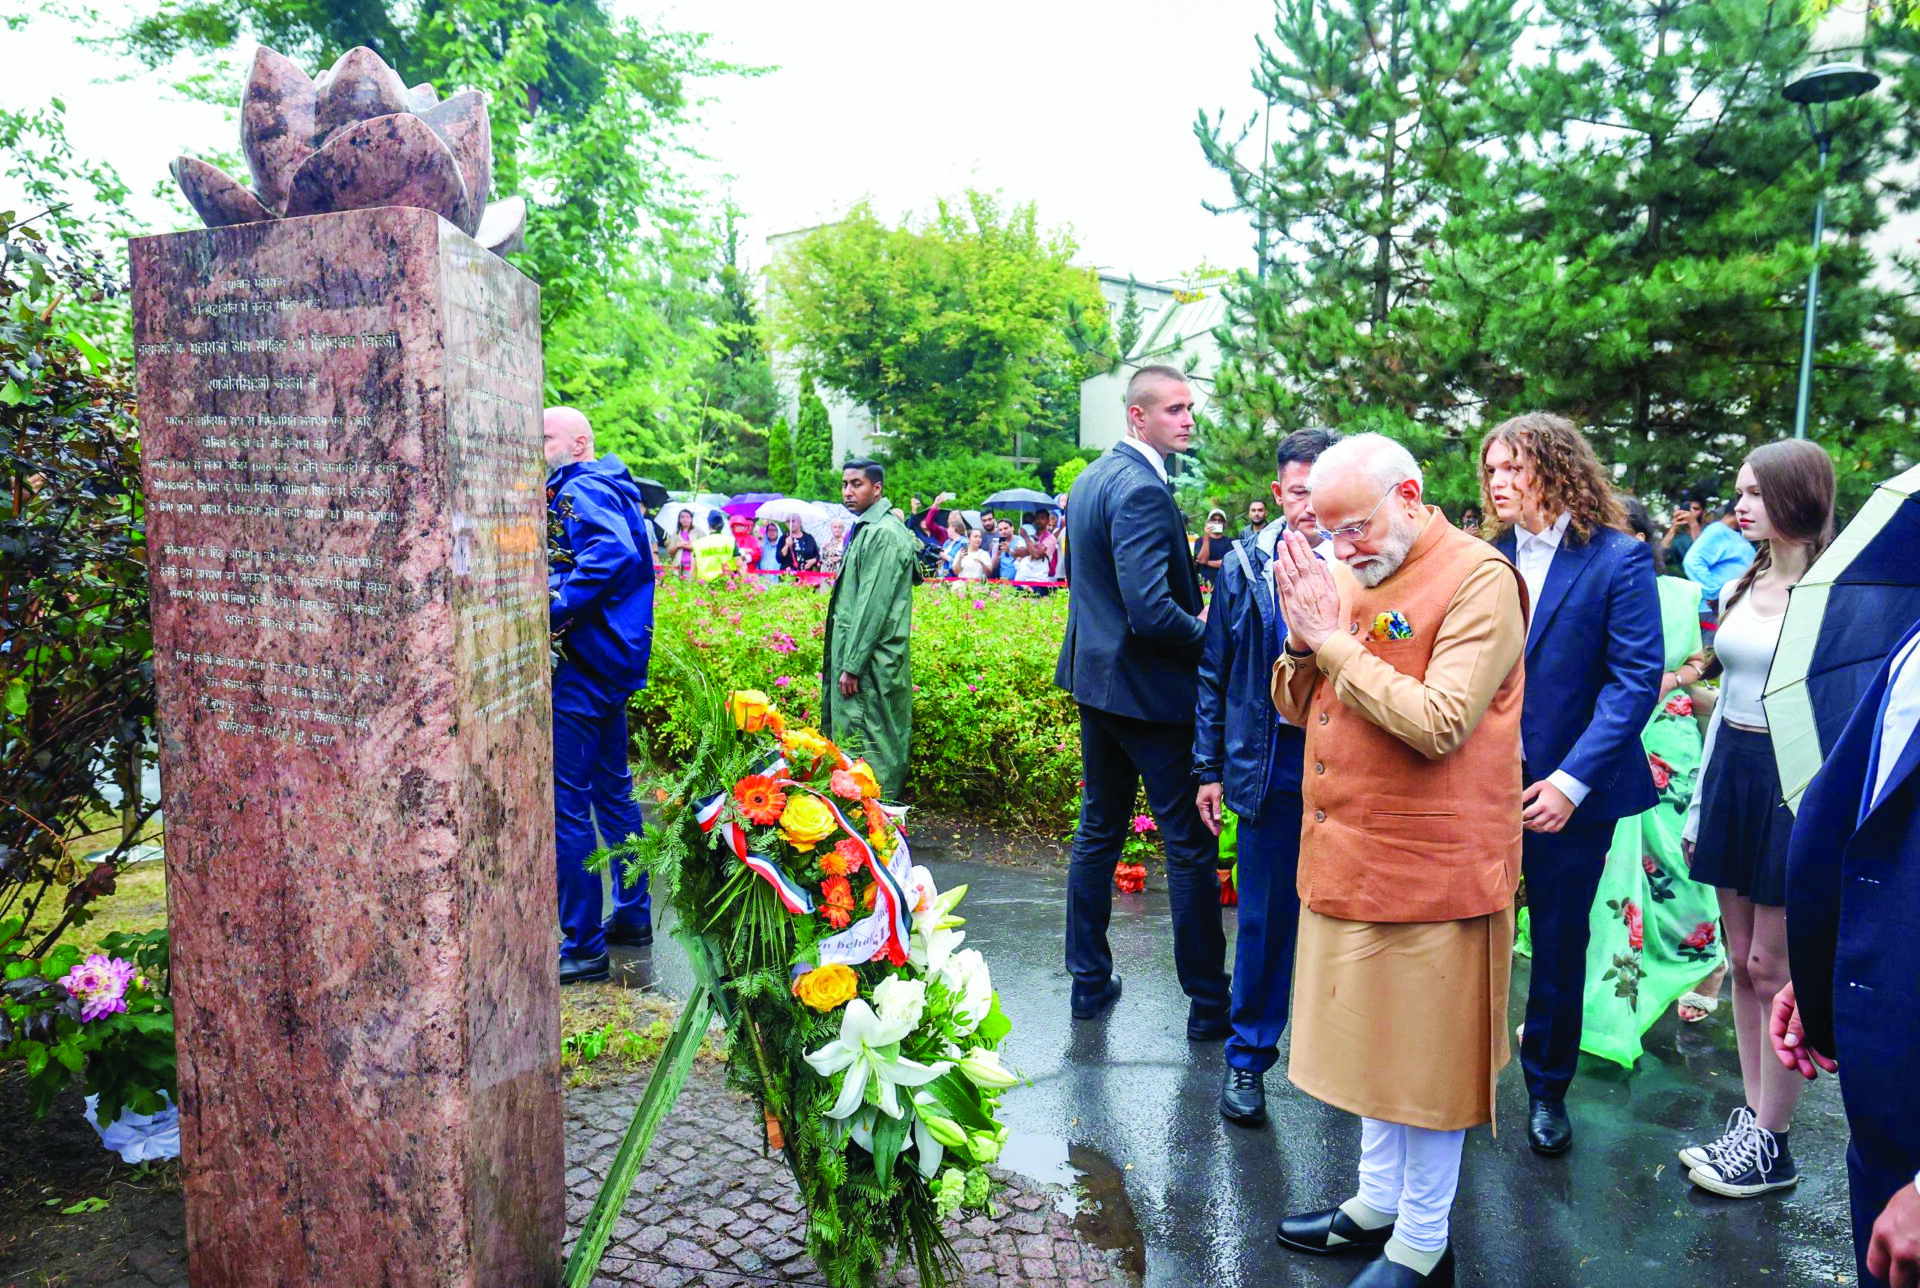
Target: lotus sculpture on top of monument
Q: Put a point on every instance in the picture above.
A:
(354, 137)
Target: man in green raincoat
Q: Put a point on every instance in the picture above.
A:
(866, 685)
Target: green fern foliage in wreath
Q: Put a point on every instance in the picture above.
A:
(866, 1033)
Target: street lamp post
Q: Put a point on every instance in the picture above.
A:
(1821, 87)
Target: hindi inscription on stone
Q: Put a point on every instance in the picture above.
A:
(340, 420)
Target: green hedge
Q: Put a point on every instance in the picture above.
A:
(991, 735)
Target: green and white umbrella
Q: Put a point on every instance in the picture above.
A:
(1843, 617)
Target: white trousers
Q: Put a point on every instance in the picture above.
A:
(1411, 1173)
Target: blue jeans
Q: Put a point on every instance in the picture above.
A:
(591, 783)
(1269, 925)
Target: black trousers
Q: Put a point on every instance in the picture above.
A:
(1563, 875)
(1116, 754)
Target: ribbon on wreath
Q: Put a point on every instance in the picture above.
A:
(793, 896)
(887, 929)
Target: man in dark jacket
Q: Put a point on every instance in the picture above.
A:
(1248, 758)
(600, 583)
(1853, 915)
(1133, 644)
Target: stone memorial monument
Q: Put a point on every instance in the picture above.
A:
(340, 394)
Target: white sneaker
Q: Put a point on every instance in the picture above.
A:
(1739, 1123)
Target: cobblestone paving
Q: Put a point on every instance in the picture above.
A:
(711, 1211)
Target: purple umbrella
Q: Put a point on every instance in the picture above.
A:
(747, 504)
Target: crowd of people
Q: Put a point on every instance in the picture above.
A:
(1401, 718)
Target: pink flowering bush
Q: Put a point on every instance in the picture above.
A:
(991, 735)
(106, 1017)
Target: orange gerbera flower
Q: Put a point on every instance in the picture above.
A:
(834, 863)
(836, 902)
(760, 798)
(867, 895)
(876, 817)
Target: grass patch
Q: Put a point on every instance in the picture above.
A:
(137, 905)
(612, 1034)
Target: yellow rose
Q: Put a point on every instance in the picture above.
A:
(810, 742)
(806, 822)
(827, 987)
(863, 774)
(750, 709)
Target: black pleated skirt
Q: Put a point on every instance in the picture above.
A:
(1744, 821)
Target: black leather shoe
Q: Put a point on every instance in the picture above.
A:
(1548, 1130)
(639, 936)
(1310, 1232)
(1208, 1028)
(1085, 1008)
(1243, 1098)
(583, 970)
(1381, 1273)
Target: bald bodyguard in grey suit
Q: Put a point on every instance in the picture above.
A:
(1131, 657)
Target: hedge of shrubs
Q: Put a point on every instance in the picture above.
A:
(991, 734)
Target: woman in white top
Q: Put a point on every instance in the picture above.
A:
(974, 564)
(1738, 825)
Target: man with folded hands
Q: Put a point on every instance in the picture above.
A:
(1409, 685)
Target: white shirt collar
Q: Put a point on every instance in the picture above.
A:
(1550, 535)
(1149, 455)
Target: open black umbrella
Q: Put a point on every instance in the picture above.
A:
(1023, 499)
(653, 493)
(1843, 618)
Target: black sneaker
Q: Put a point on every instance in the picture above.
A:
(1739, 1123)
(1243, 1098)
(1753, 1165)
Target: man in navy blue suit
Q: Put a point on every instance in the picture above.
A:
(1594, 662)
(600, 583)
(1249, 759)
(1853, 915)
(1132, 648)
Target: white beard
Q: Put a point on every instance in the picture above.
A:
(1371, 570)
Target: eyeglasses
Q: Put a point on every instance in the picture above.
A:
(1355, 531)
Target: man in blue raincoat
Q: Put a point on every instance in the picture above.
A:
(600, 583)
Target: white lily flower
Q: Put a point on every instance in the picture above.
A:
(869, 1046)
(965, 972)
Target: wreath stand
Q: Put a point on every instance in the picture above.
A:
(706, 999)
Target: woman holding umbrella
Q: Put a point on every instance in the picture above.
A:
(1738, 825)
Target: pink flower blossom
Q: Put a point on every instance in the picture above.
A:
(979, 603)
(1636, 929)
(1143, 823)
(100, 982)
(783, 682)
(971, 689)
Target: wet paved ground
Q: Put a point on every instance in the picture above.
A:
(1133, 1104)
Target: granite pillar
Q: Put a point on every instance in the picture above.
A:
(340, 425)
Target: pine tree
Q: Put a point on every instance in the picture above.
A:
(1127, 328)
(780, 455)
(1644, 268)
(813, 446)
(1382, 114)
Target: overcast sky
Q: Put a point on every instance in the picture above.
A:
(1086, 109)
